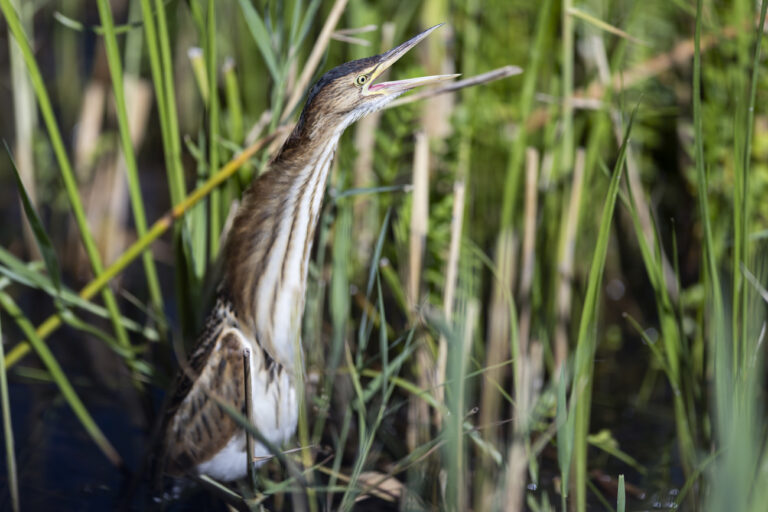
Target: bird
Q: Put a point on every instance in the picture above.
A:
(250, 347)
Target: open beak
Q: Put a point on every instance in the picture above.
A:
(392, 56)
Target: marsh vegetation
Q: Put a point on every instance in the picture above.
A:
(542, 292)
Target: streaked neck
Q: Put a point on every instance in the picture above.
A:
(268, 248)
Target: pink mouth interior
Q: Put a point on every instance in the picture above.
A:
(380, 86)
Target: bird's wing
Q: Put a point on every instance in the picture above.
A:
(197, 427)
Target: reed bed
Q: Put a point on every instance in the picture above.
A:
(542, 287)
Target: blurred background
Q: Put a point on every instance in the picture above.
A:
(543, 291)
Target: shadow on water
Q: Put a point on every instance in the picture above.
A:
(60, 468)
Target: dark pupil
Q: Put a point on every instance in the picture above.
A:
(362, 79)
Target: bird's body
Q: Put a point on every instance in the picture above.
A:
(257, 317)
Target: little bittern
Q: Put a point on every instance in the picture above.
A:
(256, 320)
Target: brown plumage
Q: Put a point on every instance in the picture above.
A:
(257, 316)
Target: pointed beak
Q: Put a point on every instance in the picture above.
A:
(387, 59)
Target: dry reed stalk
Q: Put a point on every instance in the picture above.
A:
(365, 207)
(25, 122)
(517, 462)
(254, 133)
(339, 36)
(89, 125)
(138, 98)
(418, 410)
(529, 245)
(566, 260)
(497, 350)
(529, 371)
(436, 112)
(107, 204)
(499, 321)
(498, 344)
(346, 35)
(419, 216)
(578, 103)
(314, 58)
(451, 276)
(437, 60)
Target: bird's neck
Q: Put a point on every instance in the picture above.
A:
(268, 247)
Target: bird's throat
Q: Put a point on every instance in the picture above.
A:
(268, 248)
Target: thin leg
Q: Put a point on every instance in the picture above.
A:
(248, 412)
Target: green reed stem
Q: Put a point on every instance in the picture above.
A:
(710, 263)
(137, 202)
(586, 343)
(10, 450)
(175, 183)
(741, 232)
(525, 106)
(566, 154)
(215, 223)
(162, 43)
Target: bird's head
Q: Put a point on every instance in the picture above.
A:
(350, 91)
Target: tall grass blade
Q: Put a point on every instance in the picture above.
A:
(741, 240)
(10, 447)
(607, 27)
(586, 343)
(215, 221)
(564, 422)
(568, 56)
(61, 380)
(526, 104)
(621, 499)
(132, 172)
(41, 236)
(28, 274)
(373, 278)
(710, 258)
(165, 100)
(79, 26)
(162, 51)
(318, 50)
(262, 37)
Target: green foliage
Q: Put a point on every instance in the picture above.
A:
(663, 254)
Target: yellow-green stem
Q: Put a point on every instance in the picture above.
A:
(61, 380)
(155, 231)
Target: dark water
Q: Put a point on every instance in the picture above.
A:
(60, 468)
(58, 464)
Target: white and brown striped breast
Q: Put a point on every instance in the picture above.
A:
(265, 272)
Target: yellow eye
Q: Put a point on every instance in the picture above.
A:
(360, 80)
